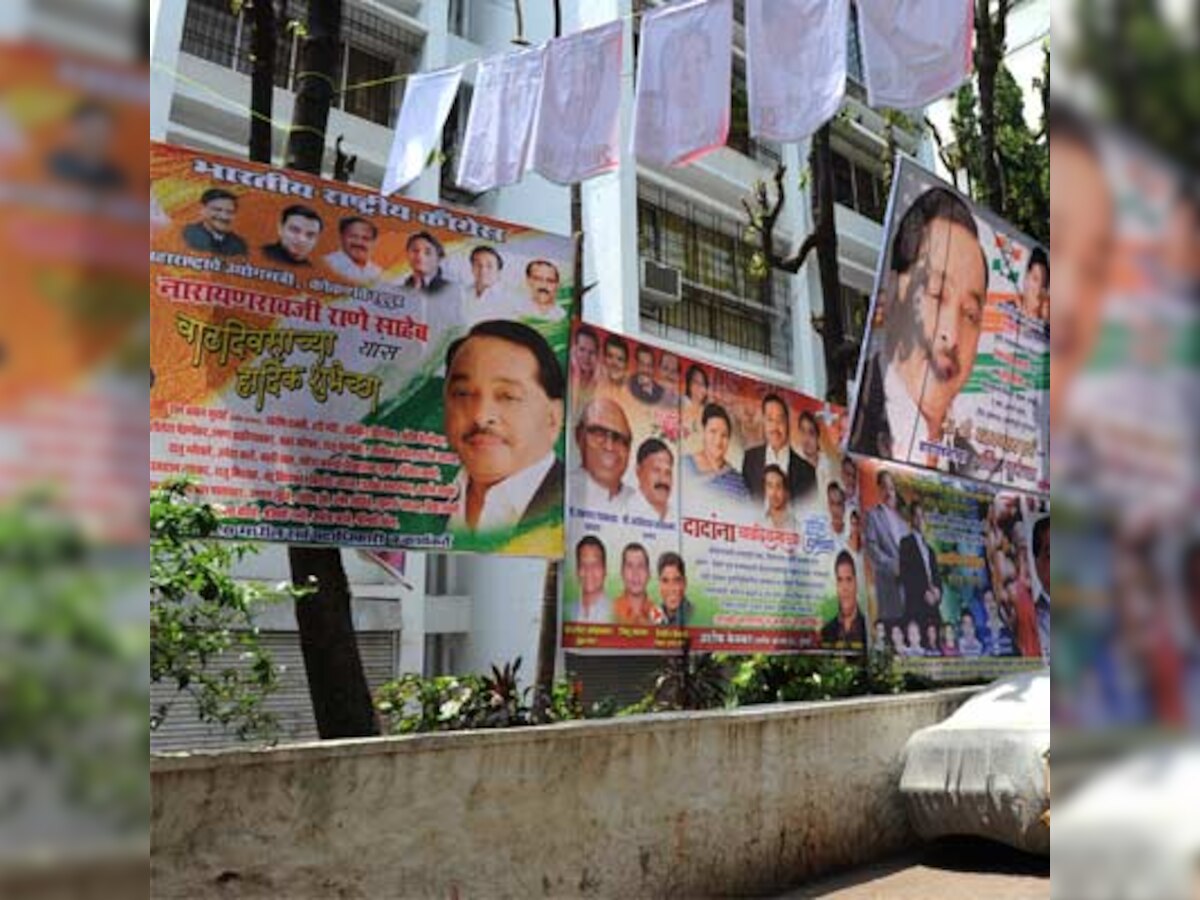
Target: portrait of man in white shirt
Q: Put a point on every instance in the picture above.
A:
(503, 414)
(591, 566)
(353, 261)
(604, 439)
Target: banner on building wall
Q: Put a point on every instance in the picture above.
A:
(705, 506)
(955, 372)
(307, 368)
(957, 574)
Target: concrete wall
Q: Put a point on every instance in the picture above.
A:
(676, 805)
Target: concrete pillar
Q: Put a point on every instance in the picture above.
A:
(166, 36)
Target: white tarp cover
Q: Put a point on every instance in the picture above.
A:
(983, 770)
(1132, 831)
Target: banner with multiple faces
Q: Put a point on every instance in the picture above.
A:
(705, 506)
(955, 371)
(334, 367)
(957, 574)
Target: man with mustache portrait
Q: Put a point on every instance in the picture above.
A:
(934, 321)
(503, 414)
(655, 477)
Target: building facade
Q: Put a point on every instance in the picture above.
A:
(463, 613)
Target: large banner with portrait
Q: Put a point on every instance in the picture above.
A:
(335, 367)
(955, 371)
(705, 506)
(957, 574)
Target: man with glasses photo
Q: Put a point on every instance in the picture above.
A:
(604, 438)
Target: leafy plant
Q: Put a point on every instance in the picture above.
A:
(72, 665)
(202, 618)
(689, 681)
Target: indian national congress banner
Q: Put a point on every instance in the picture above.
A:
(706, 506)
(958, 574)
(955, 373)
(335, 367)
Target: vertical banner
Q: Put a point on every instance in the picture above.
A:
(955, 372)
(705, 506)
(338, 368)
(626, 585)
(957, 573)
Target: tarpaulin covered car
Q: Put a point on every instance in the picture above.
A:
(984, 770)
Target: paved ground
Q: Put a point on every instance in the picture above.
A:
(959, 869)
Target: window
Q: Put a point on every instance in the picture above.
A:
(855, 307)
(857, 186)
(457, 20)
(723, 309)
(855, 80)
(372, 49)
(374, 100)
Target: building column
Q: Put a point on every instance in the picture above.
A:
(166, 37)
(808, 363)
(612, 264)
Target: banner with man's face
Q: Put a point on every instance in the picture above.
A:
(706, 506)
(957, 574)
(334, 367)
(955, 371)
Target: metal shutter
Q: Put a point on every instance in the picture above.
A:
(183, 731)
(624, 678)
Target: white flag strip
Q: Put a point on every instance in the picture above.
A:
(914, 51)
(795, 65)
(428, 97)
(681, 108)
(577, 130)
(496, 146)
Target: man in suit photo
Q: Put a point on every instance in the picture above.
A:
(920, 580)
(801, 476)
(503, 414)
(934, 321)
(885, 529)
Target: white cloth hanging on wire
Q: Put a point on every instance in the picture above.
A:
(497, 145)
(428, 97)
(795, 65)
(914, 51)
(681, 107)
(577, 130)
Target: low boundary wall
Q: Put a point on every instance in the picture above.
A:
(741, 802)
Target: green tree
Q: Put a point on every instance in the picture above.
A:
(1022, 152)
(72, 665)
(202, 619)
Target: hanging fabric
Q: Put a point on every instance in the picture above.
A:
(914, 51)
(578, 125)
(681, 108)
(428, 97)
(497, 144)
(795, 65)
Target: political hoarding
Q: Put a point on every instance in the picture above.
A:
(335, 367)
(957, 573)
(72, 325)
(706, 507)
(955, 370)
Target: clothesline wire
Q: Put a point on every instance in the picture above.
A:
(357, 86)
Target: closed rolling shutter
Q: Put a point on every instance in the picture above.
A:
(182, 730)
(626, 679)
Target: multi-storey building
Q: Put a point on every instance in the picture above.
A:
(463, 613)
